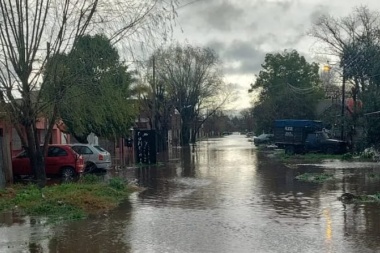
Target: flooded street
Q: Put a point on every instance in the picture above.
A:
(222, 195)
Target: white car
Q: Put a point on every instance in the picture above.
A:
(95, 157)
(263, 139)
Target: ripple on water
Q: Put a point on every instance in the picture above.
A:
(191, 182)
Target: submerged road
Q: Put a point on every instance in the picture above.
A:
(222, 195)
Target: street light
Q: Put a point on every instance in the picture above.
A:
(327, 67)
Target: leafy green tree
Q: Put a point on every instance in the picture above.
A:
(96, 89)
(33, 31)
(288, 86)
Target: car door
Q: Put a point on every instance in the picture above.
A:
(56, 158)
(312, 142)
(21, 164)
(85, 151)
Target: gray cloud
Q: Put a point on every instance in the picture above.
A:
(218, 46)
(239, 57)
(318, 11)
(293, 40)
(284, 5)
(241, 50)
(243, 31)
(253, 27)
(221, 15)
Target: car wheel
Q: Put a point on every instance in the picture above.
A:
(289, 150)
(90, 167)
(17, 178)
(330, 151)
(68, 172)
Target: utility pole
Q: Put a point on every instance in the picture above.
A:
(154, 103)
(154, 93)
(343, 103)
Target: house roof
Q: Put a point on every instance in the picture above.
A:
(326, 104)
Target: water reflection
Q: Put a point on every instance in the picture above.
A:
(103, 233)
(221, 195)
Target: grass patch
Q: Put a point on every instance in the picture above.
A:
(310, 157)
(67, 201)
(315, 177)
(370, 198)
(374, 176)
(319, 157)
(350, 198)
(373, 198)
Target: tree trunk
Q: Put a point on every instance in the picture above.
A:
(36, 156)
(193, 135)
(7, 158)
(185, 134)
(2, 168)
(162, 136)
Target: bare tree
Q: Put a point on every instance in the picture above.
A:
(352, 39)
(355, 41)
(193, 83)
(31, 31)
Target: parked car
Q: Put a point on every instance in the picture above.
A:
(60, 160)
(95, 157)
(249, 134)
(263, 139)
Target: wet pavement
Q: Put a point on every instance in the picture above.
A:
(222, 195)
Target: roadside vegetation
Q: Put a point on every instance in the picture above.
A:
(320, 178)
(368, 198)
(315, 177)
(68, 201)
(309, 158)
(351, 198)
(319, 157)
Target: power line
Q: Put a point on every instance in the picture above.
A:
(302, 91)
(187, 4)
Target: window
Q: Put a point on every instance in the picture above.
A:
(99, 148)
(56, 151)
(23, 154)
(86, 151)
(82, 150)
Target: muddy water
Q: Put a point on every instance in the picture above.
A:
(219, 196)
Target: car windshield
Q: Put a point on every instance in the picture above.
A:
(100, 148)
(22, 154)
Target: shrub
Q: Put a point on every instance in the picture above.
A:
(90, 179)
(347, 156)
(117, 183)
(315, 177)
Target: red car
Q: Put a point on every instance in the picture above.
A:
(60, 160)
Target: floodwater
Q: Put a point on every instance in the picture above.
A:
(222, 195)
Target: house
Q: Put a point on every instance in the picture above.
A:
(57, 136)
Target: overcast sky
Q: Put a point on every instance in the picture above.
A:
(242, 32)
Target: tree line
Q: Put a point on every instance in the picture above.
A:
(60, 60)
(290, 87)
